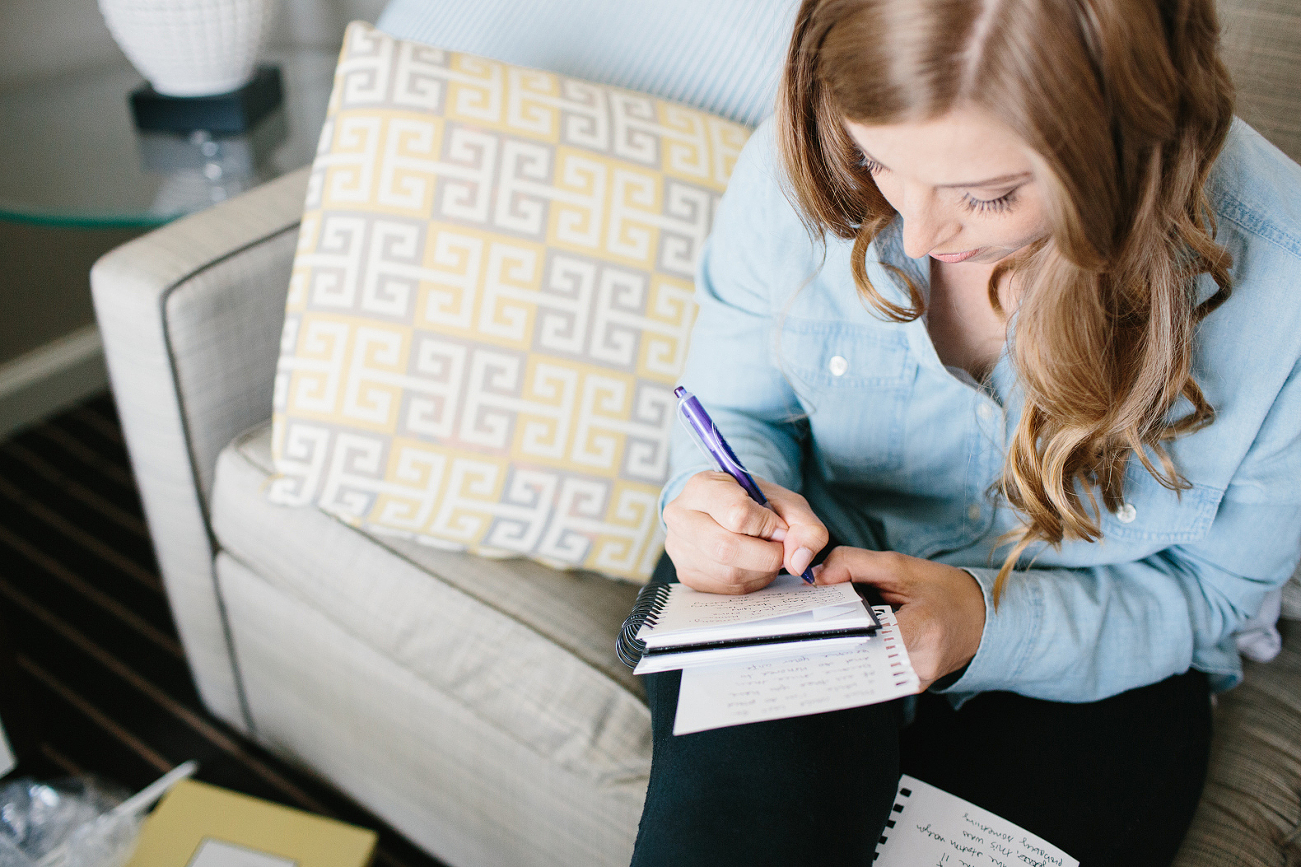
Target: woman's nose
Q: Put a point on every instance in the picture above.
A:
(924, 228)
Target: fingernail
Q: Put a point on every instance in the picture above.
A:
(778, 535)
(817, 570)
(800, 560)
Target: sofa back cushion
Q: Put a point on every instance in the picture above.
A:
(490, 305)
(1262, 48)
(724, 56)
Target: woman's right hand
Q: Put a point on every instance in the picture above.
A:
(721, 541)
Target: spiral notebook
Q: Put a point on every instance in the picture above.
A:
(874, 669)
(673, 626)
(928, 826)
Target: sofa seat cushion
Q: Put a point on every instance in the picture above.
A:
(1250, 812)
(527, 648)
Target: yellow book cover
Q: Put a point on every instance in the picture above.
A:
(197, 825)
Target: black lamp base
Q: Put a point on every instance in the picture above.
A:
(231, 112)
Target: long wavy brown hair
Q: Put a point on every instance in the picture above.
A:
(1125, 105)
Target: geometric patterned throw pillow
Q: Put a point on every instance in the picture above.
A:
(490, 305)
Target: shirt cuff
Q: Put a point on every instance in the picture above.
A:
(1009, 632)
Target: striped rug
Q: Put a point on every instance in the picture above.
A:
(100, 678)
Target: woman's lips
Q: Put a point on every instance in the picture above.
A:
(952, 258)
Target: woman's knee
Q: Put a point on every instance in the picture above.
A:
(813, 789)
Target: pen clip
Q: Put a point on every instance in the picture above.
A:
(697, 438)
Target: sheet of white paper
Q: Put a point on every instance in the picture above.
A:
(219, 853)
(689, 609)
(931, 828)
(837, 610)
(876, 670)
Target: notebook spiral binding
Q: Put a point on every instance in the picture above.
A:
(651, 600)
(900, 801)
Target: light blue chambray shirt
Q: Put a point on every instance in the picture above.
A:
(816, 393)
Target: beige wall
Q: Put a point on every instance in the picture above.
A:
(44, 291)
(44, 37)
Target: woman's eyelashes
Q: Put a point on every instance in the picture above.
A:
(989, 206)
(872, 166)
(1000, 205)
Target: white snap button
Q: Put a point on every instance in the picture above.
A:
(838, 365)
(973, 512)
(985, 411)
(1126, 513)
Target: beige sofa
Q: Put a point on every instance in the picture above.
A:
(477, 705)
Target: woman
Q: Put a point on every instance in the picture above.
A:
(1002, 302)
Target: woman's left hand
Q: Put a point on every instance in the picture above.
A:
(941, 609)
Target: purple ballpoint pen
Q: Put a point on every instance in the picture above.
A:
(707, 434)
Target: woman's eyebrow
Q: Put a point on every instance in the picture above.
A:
(991, 182)
(988, 182)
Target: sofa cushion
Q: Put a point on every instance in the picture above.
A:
(724, 56)
(491, 303)
(1250, 811)
(468, 792)
(1261, 45)
(528, 649)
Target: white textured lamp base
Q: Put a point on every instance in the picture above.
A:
(191, 47)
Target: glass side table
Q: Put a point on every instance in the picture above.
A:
(72, 157)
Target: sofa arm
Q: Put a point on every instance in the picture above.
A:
(190, 316)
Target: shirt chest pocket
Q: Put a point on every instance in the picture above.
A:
(1153, 513)
(854, 382)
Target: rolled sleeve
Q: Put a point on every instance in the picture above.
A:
(1087, 634)
(1004, 642)
(1084, 634)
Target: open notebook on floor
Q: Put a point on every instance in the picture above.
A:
(673, 626)
(928, 826)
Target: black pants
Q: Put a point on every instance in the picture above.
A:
(1112, 782)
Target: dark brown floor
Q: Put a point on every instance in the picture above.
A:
(97, 682)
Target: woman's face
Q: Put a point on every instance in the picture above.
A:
(963, 184)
